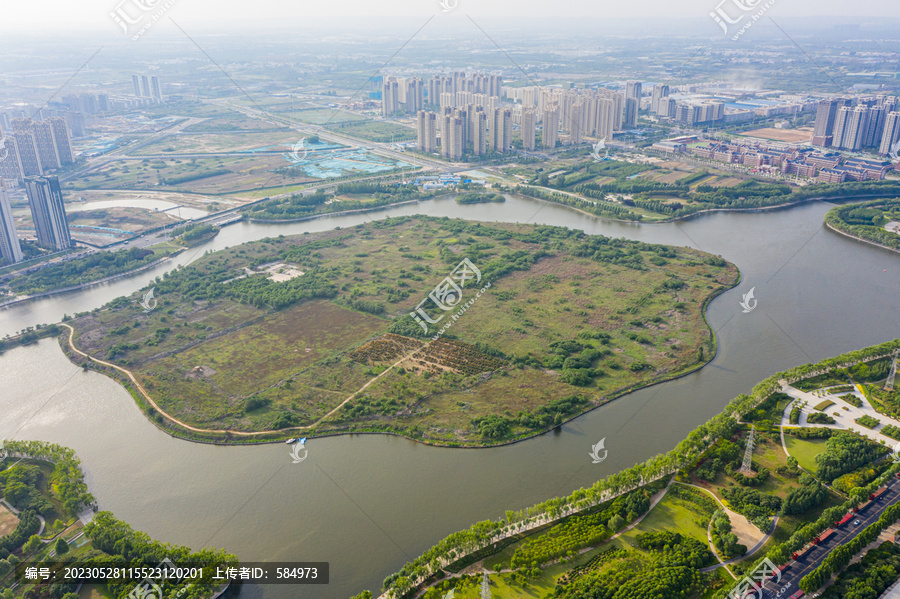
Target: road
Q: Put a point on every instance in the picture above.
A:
(791, 577)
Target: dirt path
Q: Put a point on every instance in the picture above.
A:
(149, 399)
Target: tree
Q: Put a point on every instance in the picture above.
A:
(616, 522)
(61, 546)
(32, 544)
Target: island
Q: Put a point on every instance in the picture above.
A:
(751, 497)
(444, 331)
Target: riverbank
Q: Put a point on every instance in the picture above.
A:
(88, 284)
(861, 239)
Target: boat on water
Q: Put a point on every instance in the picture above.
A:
(302, 441)
(289, 441)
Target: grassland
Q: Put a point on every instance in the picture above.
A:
(375, 131)
(569, 322)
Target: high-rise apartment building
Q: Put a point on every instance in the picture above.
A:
(47, 211)
(633, 90)
(155, 90)
(529, 126)
(136, 82)
(660, 91)
(478, 124)
(390, 96)
(850, 127)
(426, 131)
(826, 115)
(550, 127)
(891, 135)
(500, 127)
(630, 118)
(10, 249)
(414, 99)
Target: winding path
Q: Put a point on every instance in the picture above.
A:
(187, 426)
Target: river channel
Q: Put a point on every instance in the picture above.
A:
(369, 503)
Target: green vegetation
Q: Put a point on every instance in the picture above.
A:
(336, 314)
(92, 267)
(852, 400)
(810, 494)
(725, 541)
(299, 205)
(819, 418)
(483, 536)
(194, 233)
(480, 198)
(845, 452)
(867, 421)
(629, 191)
(45, 480)
(869, 577)
(867, 221)
(563, 540)
(891, 431)
(824, 405)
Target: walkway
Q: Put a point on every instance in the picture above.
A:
(844, 414)
(745, 525)
(187, 426)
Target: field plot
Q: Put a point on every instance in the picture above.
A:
(212, 176)
(785, 135)
(376, 131)
(556, 332)
(237, 122)
(208, 143)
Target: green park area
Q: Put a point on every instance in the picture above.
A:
(611, 541)
(637, 191)
(277, 334)
(43, 522)
(875, 221)
(376, 131)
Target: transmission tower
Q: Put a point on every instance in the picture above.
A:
(889, 385)
(748, 454)
(485, 586)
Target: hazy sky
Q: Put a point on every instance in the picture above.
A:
(45, 15)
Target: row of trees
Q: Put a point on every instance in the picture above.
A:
(81, 270)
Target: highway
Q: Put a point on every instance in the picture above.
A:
(790, 578)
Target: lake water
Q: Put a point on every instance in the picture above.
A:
(367, 504)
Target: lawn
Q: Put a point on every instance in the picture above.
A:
(673, 514)
(824, 405)
(805, 450)
(376, 131)
(8, 521)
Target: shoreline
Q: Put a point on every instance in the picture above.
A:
(88, 284)
(861, 239)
